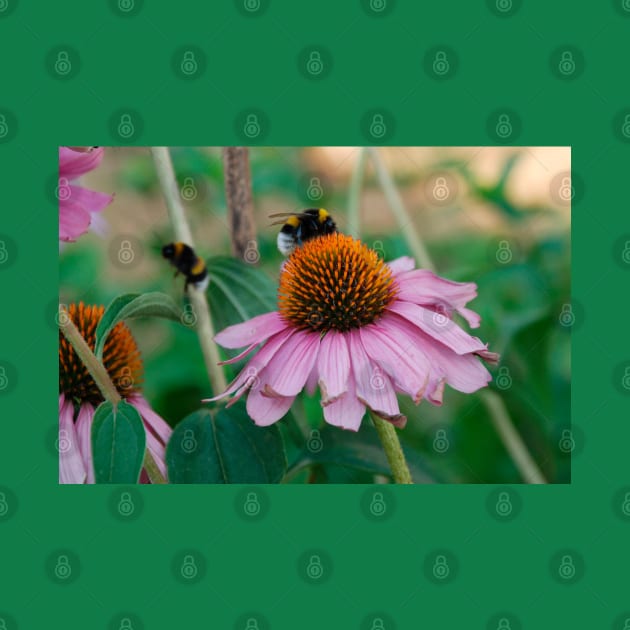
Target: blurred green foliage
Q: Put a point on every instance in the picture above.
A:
(520, 303)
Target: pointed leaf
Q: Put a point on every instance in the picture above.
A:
(118, 443)
(224, 447)
(130, 306)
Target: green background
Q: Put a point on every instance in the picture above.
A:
(376, 62)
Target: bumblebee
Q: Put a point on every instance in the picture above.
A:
(184, 259)
(302, 227)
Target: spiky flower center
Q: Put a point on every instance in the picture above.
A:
(334, 282)
(121, 358)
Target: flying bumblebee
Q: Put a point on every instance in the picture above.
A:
(302, 227)
(184, 259)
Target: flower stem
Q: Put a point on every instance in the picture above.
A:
(393, 450)
(205, 330)
(354, 193)
(101, 378)
(511, 439)
(415, 243)
(238, 195)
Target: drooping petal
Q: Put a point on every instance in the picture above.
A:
(91, 200)
(439, 326)
(404, 263)
(71, 467)
(152, 420)
(333, 366)
(158, 451)
(347, 411)
(393, 352)
(74, 220)
(83, 428)
(74, 163)
(253, 331)
(249, 375)
(265, 410)
(373, 386)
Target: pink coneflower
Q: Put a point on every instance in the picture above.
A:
(79, 396)
(76, 204)
(362, 330)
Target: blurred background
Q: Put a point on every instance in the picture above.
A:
(499, 217)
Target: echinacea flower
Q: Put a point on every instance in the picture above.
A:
(77, 204)
(79, 396)
(362, 330)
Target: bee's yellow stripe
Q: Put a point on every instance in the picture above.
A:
(179, 248)
(293, 221)
(323, 215)
(198, 267)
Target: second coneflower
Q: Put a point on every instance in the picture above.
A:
(362, 330)
(79, 396)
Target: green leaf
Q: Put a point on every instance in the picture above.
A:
(361, 451)
(238, 291)
(130, 306)
(118, 443)
(224, 447)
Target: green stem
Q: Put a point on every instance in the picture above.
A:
(205, 330)
(511, 439)
(393, 450)
(101, 378)
(415, 243)
(354, 193)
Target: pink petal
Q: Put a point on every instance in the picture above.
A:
(471, 317)
(253, 331)
(265, 410)
(311, 381)
(404, 263)
(438, 326)
(347, 411)
(84, 434)
(251, 372)
(287, 372)
(74, 163)
(71, 467)
(333, 366)
(152, 420)
(74, 220)
(239, 356)
(391, 349)
(90, 199)
(158, 451)
(373, 386)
